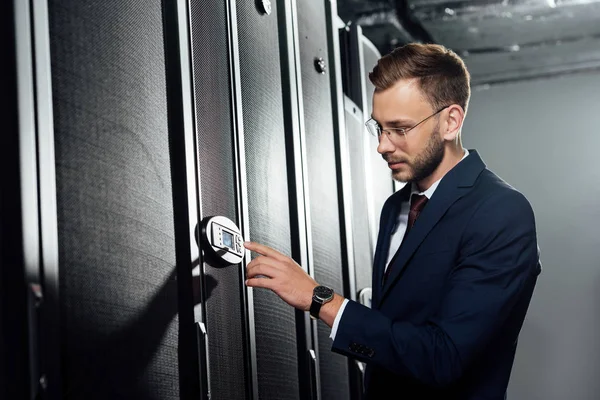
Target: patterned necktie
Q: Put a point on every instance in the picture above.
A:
(417, 203)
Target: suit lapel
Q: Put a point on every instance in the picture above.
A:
(384, 238)
(455, 184)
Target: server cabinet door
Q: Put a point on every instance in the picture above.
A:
(268, 190)
(361, 230)
(354, 107)
(119, 310)
(322, 191)
(381, 182)
(371, 180)
(214, 108)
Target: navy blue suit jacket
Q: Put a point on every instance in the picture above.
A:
(446, 322)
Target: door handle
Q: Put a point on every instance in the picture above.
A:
(360, 372)
(202, 338)
(314, 375)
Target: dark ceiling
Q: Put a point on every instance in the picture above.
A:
(499, 40)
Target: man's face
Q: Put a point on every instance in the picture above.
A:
(416, 155)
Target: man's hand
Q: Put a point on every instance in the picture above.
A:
(281, 274)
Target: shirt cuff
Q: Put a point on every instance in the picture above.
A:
(337, 320)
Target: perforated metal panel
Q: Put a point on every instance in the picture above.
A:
(324, 206)
(268, 202)
(115, 212)
(215, 150)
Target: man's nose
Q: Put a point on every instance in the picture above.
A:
(385, 144)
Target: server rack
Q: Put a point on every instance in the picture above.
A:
(193, 342)
(117, 227)
(228, 335)
(368, 184)
(183, 120)
(319, 81)
(299, 193)
(282, 336)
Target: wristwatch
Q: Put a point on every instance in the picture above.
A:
(321, 295)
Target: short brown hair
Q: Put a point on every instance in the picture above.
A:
(442, 74)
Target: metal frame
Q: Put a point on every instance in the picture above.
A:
(50, 342)
(343, 105)
(27, 141)
(351, 63)
(299, 196)
(344, 179)
(357, 368)
(195, 374)
(342, 150)
(366, 144)
(365, 40)
(194, 191)
(32, 276)
(355, 92)
(242, 197)
(27, 272)
(310, 268)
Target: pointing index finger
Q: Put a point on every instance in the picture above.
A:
(263, 250)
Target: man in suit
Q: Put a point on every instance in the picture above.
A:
(456, 260)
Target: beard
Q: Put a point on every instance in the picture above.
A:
(425, 163)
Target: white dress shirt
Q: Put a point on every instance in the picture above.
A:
(397, 236)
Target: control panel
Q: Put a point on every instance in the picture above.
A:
(221, 240)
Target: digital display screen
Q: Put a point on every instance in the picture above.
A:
(228, 239)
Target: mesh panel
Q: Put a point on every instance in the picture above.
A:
(213, 111)
(324, 210)
(360, 218)
(381, 176)
(268, 202)
(115, 212)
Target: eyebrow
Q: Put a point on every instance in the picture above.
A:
(397, 123)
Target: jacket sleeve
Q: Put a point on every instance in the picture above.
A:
(498, 256)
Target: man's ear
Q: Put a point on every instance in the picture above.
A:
(454, 117)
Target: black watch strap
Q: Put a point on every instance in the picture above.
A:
(315, 307)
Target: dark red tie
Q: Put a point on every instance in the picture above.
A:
(417, 203)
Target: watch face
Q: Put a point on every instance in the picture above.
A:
(323, 292)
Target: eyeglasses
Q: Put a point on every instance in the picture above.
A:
(376, 130)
